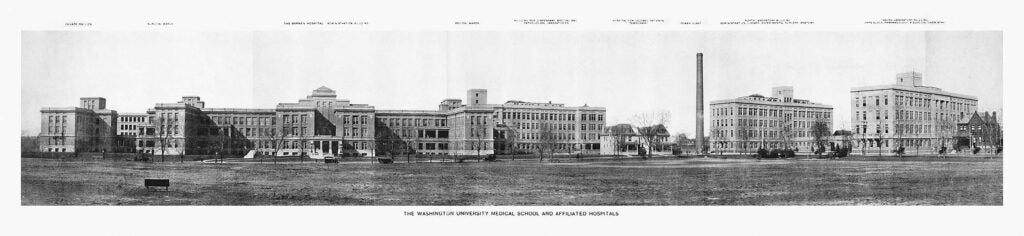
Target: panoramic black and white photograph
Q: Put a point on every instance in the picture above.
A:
(511, 118)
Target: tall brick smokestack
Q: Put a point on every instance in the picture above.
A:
(700, 103)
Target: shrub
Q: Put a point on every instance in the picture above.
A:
(787, 153)
(843, 152)
(976, 150)
(775, 153)
(762, 153)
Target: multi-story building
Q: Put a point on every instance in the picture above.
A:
(87, 128)
(535, 126)
(747, 123)
(322, 124)
(906, 114)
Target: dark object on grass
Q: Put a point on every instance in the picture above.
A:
(330, 160)
(166, 183)
(843, 152)
(491, 157)
(385, 161)
(788, 153)
(976, 150)
(942, 150)
(999, 149)
(899, 151)
(762, 153)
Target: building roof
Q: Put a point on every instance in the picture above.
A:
(761, 100)
(619, 129)
(629, 130)
(545, 105)
(659, 130)
(984, 118)
(324, 91)
(919, 89)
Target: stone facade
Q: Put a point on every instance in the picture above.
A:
(89, 128)
(745, 124)
(533, 126)
(321, 124)
(906, 114)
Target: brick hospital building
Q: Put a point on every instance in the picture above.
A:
(323, 124)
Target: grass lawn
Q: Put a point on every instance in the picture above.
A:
(660, 181)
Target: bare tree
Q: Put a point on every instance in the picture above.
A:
(645, 123)
(900, 130)
(743, 135)
(820, 132)
(546, 138)
(786, 130)
(510, 139)
(680, 139)
(479, 132)
(164, 134)
(899, 136)
(277, 142)
(880, 137)
(414, 144)
(717, 139)
(303, 143)
(863, 138)
(945, 130)
(222, 143)
(620, 135)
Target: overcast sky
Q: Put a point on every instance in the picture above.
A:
(626, 72)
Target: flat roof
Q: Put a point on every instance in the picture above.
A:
(770, 103)
(919, 89)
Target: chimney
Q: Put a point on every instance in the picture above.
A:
(700, 103)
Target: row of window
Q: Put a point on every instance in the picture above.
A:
(235, 120)
(168, 117)
(755, 134)
(900, 129)
(906, 115)
(128, 127)
(556, 146)
(354, 119)
(761, 123)
(787, 113)
(748, 145)
(911, 101)
(56, 124)
(420, 122)
(294, 118)
(135, 119)
(53, 129)
(556, 126)
(550, 116)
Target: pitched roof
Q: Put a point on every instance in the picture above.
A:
(620, 129)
